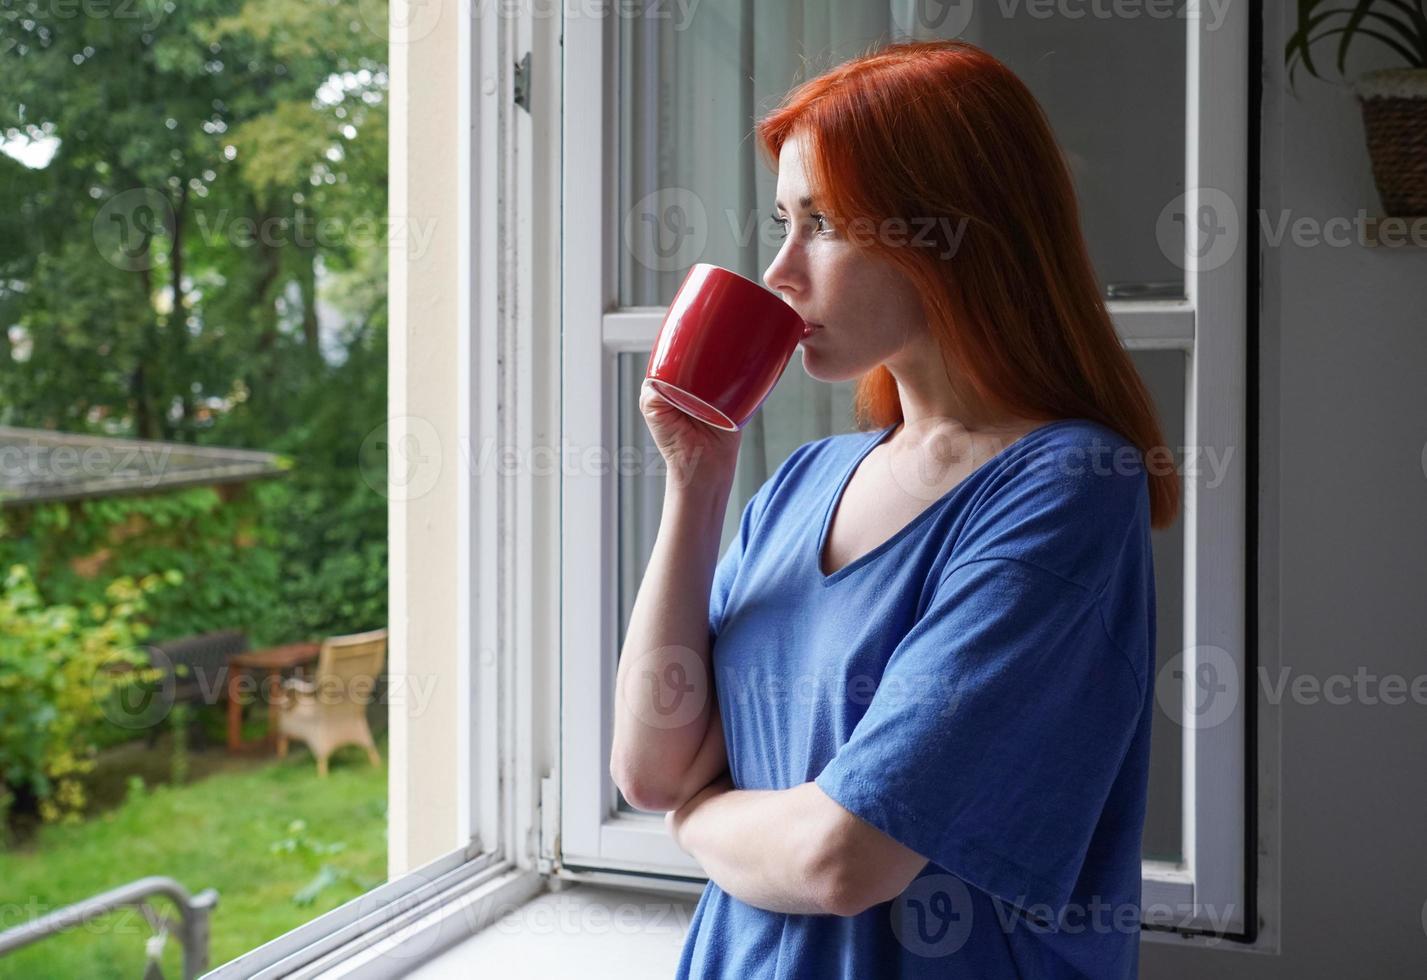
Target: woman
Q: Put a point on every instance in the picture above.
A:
(907, 734)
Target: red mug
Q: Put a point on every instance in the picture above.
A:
(722, 347)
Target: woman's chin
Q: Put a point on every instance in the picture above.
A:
(815, 366)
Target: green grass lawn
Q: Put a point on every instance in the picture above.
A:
(215, 832)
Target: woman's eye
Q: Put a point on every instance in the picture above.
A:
(782, 223)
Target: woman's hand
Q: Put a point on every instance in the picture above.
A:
(691, 449)
(674, 820)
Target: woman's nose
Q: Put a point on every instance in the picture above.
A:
(780, 273)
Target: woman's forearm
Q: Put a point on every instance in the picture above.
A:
(763, 847)
(664, 689)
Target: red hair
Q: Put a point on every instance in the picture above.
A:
(941, 132)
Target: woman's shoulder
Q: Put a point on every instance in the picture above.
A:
(1078, 461)
(1092, 440)
(1070, 497)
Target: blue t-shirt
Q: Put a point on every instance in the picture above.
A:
(977, 687)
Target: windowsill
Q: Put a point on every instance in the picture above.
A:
(532, 925)
(581, 930)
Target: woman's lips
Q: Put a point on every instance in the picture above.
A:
(808, 329)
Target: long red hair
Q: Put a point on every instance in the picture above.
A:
(941, 134)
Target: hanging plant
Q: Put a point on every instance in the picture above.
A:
(1393, 100)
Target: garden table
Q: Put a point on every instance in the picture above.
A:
(272, 662)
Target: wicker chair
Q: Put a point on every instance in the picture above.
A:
(330, 710)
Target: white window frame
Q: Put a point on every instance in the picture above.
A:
(388, 930)
(1206, 891)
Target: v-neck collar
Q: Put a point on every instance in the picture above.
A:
(862, 560)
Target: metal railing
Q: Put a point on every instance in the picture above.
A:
(192, 930)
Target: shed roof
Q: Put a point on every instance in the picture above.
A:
(39, 465)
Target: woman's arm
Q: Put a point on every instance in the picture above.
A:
(795, 850)
(668, 739)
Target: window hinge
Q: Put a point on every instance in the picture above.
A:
(522, 82)
(548, 858)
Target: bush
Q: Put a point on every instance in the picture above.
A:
(222, 543)
(61, 667)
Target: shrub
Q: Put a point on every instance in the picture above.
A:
(61, 669)
(222, 542)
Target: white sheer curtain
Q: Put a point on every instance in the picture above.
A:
(693, 83)
(691, 93)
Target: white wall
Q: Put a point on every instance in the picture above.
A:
(1343, 539)
(424, 399)
(422, 383)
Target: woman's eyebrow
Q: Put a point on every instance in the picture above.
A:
(804, 203)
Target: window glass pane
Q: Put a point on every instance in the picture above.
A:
(693, 189)
(1113, 89)
(1163, 372)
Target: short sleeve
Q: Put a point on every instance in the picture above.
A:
(1067, 507)
(996, 732)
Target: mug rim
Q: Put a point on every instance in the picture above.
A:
(660, 384)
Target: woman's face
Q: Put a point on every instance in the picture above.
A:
(867, 312)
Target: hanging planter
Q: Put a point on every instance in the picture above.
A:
(1393, 100)
(1394, 105)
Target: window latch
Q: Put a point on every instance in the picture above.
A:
(522, 82)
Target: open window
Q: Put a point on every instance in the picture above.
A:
(660, 171)
(456, 557)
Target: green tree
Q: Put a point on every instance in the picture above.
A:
(219, 162)
(201, 145)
